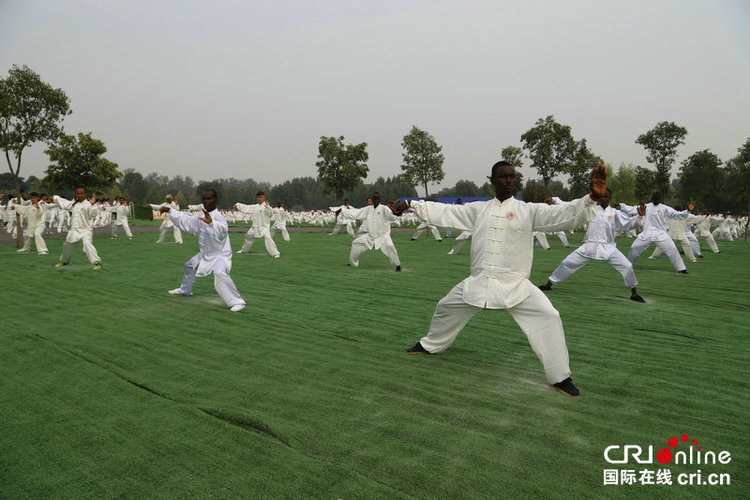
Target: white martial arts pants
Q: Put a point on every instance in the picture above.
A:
(271, 248)
(711, 242)
(125, 227)
(421, 229)
(541, 238)
(360, 245)
(223, 283)
(563, 237)
(41, 246)
(667, 245)
(577, 260)
(163, 233)
(694, 244)
(283, 231)
(536, 316)
(337, 228)
(88, 249)
(461, 240)
(686, 247)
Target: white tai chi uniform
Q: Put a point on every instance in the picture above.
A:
(599, 244)
(655, 231)
(167, 224)
(122, 211)
(460, 241)
(703, 231)
(279, 223)
(215, 255)
(502, 252)
(80, 228)
(261, 214)
(34, 227)
(378, 236)
(426, 227)
(677, 230)
(343, 220)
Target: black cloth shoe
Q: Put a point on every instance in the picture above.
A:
(567, 388)
(637, 298)
(545, 287)
(417, 349)
(398, 269)
(684, 271)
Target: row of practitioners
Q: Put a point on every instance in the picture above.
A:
(502, 251)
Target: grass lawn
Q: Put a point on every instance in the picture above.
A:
(113, 388)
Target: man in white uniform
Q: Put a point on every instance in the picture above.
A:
(279, 219)
(82, 211)
(502, 252)
(261, 215)
(167, 224)
(215, 255)
(34, 214)
(341, 219)
(122, 209)
(377, 221)
(655, 231)
(599, 244)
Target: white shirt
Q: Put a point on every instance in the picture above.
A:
(599, 242)
(81, 214)
(502, 248)
(654, 222)
(378, 220)
(213, 239)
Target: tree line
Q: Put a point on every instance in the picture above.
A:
(32, 111)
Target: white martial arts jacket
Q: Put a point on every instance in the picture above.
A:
(80, 221)
(599, 242)
(213, 239)
(502, 248)
(34, 216)
(122, 211)
(378, 220)
(654, 222)
(261, 214)
(167, 221)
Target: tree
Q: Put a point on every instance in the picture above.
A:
(134, 187)
(466, 188)
(534, 192)
(422, 159)
(551, 147)
(513, 155)
(584, 161)
(702, 179)
(78, 162)
(738, 176)
(622, 184)
(645, 183)
(661, 144)
(341, 167)
(30, 111)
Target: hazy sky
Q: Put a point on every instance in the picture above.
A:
(246, 88)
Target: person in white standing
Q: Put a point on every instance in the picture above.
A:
(502, 252)
(261, 215)
(599, 244)
(279, 220)
(82, 211)
(167, 224)
(34, 214)
(122, 211)
(215, 255)
(377, 220)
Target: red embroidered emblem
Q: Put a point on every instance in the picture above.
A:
(609, 217)
(510, 216)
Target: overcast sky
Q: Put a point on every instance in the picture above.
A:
(246, 88)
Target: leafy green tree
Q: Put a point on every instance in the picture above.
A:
(78, 161)
(557, 188)
(466, 188)
(738, 177)
(422, 159)
(622, 184)
(551, 147)
(661, 143)
(513, 155)
(30, 111)
(534, 191)
(134, 187)
(645, 183)
(579, 169)
(341, 167)
(702, 179)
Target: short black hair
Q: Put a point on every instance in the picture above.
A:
(212, 191)
(34, 193)
(501, 163)
(260, 193)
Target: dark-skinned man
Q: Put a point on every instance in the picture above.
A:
(215, 254)
(377, 219)
(502, 252)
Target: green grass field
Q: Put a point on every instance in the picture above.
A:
(113, 388)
